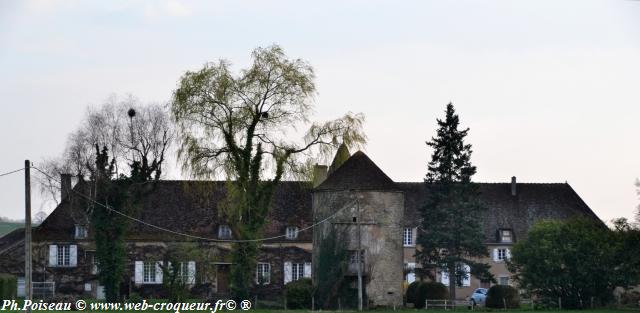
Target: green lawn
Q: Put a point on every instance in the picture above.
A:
(399, 310)
(7, 227)
(392, 311)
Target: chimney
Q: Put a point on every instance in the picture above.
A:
(65, 182)
(319, 174)
(513, 185)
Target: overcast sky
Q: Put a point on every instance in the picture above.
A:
(550, 89)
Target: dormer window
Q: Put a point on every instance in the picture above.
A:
(224, 232)
(506, 235)
(292, 232)
(81, 232)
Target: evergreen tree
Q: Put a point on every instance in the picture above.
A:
(451, 235)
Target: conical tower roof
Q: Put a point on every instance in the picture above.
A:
(358, 173)
(342, 155)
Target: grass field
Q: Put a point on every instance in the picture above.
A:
(400, 310)
(7, 227)
(387, 311)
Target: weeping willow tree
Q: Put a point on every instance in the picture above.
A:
(238, 126)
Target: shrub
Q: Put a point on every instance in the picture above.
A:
(72, 299)
(135, 298)
(431, 291)
(299, 294)
(8, 286)
(412, 291)
(499, 295)
(630, 298)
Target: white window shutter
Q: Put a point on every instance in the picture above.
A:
(287, 272)
(100, 293)
(307, 270)
(495, 255)
(159, 272)
(257, 273)
(73, 255)
(138, 272)
(444, 278)
(191, 266)
(414, 234)
(508, 254)
(467, 280)
(53, 255)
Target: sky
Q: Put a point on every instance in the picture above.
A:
(549, 89)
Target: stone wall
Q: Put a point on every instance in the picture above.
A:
(207, 255)
(381, 223)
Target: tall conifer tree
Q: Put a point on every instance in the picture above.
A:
(451, 236)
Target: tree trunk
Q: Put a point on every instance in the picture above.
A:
(244, 257)
(452, 282)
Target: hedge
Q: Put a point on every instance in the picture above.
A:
(418, 292)
(499, 295)
(8, 286)
(299, 294)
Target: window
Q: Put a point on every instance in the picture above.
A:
(182, 274)
(466, 279)
(64, 255)
(81, 232)
(354, 257)
(149, 272)
(94, 265)
(292, 232)
(297, 271)
(502, 254)
(407, 238)
(263, 273)
(410, 269)
(503, 280)
(224, 232)
(353, 264)
(505, 235)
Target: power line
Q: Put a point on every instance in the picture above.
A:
(14, 171)
(189, 235)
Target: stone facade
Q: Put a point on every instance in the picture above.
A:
(353, 193)
(380, 214)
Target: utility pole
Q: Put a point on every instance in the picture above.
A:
(359, 255)
(28, 290)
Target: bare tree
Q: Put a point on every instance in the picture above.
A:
(131, 130)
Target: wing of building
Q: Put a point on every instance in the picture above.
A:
(353, 193)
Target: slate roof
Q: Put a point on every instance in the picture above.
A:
(532, 202)
(11, 238)
(12, 244)
(190, 207)
(358, 173)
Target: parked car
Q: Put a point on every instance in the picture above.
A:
(479, 296)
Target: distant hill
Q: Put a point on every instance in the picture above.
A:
(7, 227)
